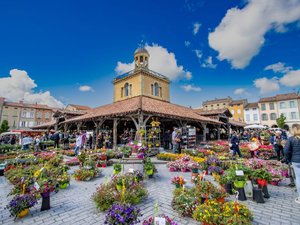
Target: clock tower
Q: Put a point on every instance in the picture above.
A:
(141, 81)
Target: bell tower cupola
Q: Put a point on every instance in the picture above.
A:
(141, 58)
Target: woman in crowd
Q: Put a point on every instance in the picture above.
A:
(292, 154)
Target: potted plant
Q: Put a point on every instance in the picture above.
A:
(204, 190)
(236, 213)
(19, 206)
(208, 213)
(138, 176)
(149, 168)
(238, 180)
(262, 176)
(168, 220)
(63, 180)
(122, 214)
(178, 181)
(117, 168)
(119, 183)
(219, 194)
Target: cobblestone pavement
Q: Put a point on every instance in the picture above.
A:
(74, 205)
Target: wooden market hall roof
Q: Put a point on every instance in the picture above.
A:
(146, 105)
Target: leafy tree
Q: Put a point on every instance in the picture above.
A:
(4, 126)
(281, 121)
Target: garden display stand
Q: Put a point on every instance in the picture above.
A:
(242, 194)
(228, 188)
(45, 202)
(257, 195)
(265, 191)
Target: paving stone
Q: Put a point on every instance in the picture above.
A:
(74, 205)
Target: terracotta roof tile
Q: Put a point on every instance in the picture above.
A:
(251, 105)
(80, 107)
(145, 104)
(280, 97)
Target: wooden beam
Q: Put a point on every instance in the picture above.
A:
(115, 134)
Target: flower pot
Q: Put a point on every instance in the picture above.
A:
(262, 182)
(177, 185)
(239, 184)
(119, 187)
(63, 186)
(275, 182)
(23, 213)
(149, 172)
(195, 170)
(183, 170)
(99, 165)
(116, 172)
(221, 200)
(172, 169)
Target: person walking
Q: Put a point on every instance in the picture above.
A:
(56, 140)
(78, 143)
(235, 144)
(174, 146)
(292, 154)
(277, 143)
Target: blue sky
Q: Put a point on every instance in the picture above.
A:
(63, 45)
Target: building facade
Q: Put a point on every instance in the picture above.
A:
(218, 103)
(23, 116)
(236, 107)
(268, 111)
(77, 108)
(251, 113)
(141, 81)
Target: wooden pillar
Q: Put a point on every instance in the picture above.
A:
(115, 133)
(98, 124)
(79, 124)
(229, 130)
(219, 131)
(204, 125)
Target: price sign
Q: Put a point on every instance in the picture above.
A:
(159, 221)
(239, 172)
(36, 186)
(131, 170)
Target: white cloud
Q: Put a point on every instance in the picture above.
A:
(208, 63)
(190, 87)
(161, 61)
(85, 88)
(291, 78)
(240, 91)
(241, 33)
(198, 53)
(279, 68)
(196, 27)
(266, 85)
(19, 86)
(187, 43)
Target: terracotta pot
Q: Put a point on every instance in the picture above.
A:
(23, 213)
(262, 183)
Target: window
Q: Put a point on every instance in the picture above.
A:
(156, 89)
(247, 117)
(126, 89)
(273, 116)
(39, 115)
(246, 109)
(271, 105)
(152, 89)
(294, 115)
(263, 107)
(217, 104)
(255, 117)
(122, 91)
(22, 123)
(254, 109)
(264, 117)
(282, 105)
(239, 111)
(47, 115)
(31, 124)
(31, 114)
(130, 89)
(24, 114)
(292, 104)
(141, 59)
